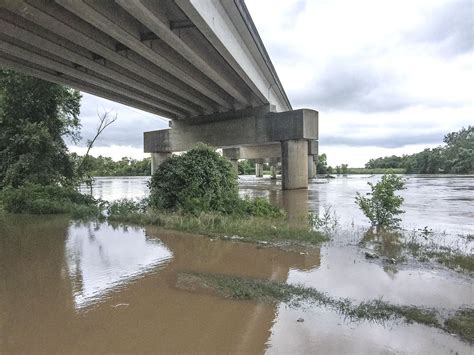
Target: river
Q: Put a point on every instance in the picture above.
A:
(90, 287)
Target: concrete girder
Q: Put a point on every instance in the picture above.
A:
(38, 59)
(14, 64)
(89, 13)
(84, 37)
(30, 38)
(216, 20)
(146, 13)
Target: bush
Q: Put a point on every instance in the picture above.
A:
(50, 199)
(381, 205)
(199, 180)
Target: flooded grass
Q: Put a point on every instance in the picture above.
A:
(269, 291)
(425, 246)
(249, 229)
(462, 323)
(449, 257)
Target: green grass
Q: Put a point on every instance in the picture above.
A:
(245, 228)
(269, 291)
(462, 323)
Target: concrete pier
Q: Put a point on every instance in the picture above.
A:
(294, 162)
(259, 169)
(157, 159)
(273, 172)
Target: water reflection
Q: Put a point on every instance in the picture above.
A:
(386, 244)
(94, 288)
(101, 258)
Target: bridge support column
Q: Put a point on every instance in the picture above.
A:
(157, 159)
(233, 154)
(313, 147)
(259, 169)
(311, 167)
(273, 172)
(294, 162)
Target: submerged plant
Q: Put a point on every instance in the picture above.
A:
(375, 310)
(382, 205)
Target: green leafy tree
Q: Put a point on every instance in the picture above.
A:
(382, 205)
(322, 166)
(246, 167)
(344, 169)
(35, 117)
(459, 152)
(456, 157)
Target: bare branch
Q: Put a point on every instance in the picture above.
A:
(106, 118)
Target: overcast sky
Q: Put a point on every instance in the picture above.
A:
(387, 77)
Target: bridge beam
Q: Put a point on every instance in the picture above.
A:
(259, 134)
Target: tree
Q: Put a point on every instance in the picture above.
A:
(322, 166)
(459, 151)
(84, 169)
(344, 169)
(246, 168)
(381, 205)
(35, 117)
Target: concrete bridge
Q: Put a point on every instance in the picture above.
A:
(200, 63)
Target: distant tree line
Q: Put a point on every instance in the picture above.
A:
(105, 166)
(456, 156)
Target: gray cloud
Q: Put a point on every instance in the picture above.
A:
(450, 26)
(389, 141)
(353, 84)
(127, 130)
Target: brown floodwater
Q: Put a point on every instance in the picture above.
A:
(75, 287)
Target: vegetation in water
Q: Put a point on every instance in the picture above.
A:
(250, 227)
(270, 291)
(49, 199)
(35, 116)
(382, 205)
(395, 246)
(462, 323)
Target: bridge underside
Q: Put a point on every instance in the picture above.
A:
(199, 63)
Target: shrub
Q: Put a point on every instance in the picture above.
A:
(199, 180)
(50, 199)
(381, 205)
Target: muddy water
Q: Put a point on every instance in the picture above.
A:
(93, 288)
(75, 287)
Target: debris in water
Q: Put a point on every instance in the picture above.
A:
(300, 320)
(121, 305)
(371, 255)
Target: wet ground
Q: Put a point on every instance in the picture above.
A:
(93, 287)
